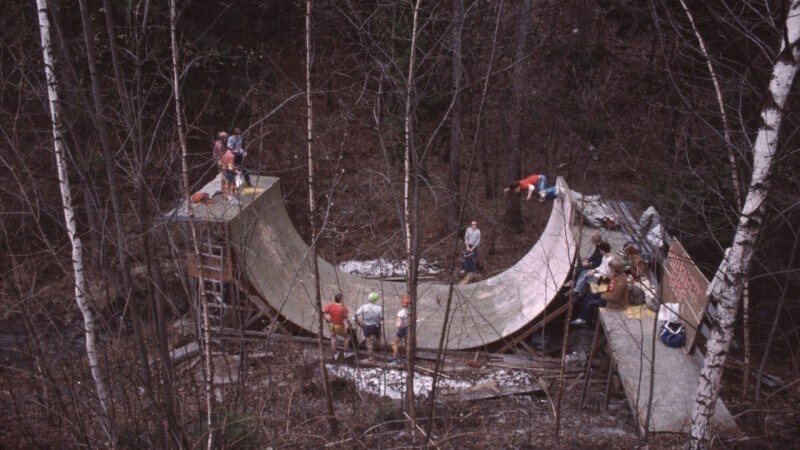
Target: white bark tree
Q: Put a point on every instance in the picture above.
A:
(69, 217)
(410, 212)
(312, 211)
(728, 283)
(734, 182)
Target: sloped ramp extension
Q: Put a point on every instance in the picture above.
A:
(275, 260)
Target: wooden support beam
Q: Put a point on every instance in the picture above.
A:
(527, 333)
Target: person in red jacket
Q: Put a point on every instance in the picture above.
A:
(534, 183)
(335, 314)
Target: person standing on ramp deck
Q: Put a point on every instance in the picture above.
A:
(235, 145)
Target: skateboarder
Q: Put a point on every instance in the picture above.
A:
(534, 183)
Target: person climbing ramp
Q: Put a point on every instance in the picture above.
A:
(534, 183)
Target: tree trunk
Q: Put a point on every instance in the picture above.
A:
(208, 372)
(135, 143)
(116, 205)
(69, 219)
(411, 213)
(736, 189)
(728, 283)
(513, 211)
(488, 168)
(312, 249)
(456, 135)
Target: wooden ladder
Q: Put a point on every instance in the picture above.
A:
(212, 266)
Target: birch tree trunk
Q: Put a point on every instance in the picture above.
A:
(728, 283)
(208, 372)
(69, 218)
(410, 213)
(312, 249)
(736, 189)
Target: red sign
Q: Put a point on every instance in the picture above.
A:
(685, 284)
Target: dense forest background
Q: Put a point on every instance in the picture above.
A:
(616, 96)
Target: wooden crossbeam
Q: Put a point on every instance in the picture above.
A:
(527, 333)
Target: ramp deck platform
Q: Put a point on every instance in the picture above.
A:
(634, 352)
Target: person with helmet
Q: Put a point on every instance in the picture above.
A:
(401, 337)
(370, 318)
(336, 314)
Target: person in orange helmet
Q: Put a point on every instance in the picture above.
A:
(402, 329)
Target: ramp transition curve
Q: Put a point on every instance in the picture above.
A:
(276, 263)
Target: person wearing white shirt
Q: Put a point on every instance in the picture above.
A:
(472, 238)
(594, 275)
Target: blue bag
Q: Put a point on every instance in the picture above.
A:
(672, 334)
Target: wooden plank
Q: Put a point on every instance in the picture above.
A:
(674, 381)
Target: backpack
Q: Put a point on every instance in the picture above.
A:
(636, 295)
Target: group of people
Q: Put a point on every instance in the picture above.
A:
(229, 156)
(368, 317)
(600, 268)
(532, 184)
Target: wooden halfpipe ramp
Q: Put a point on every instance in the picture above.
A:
(275, 261)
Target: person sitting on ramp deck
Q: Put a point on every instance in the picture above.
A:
(616, 298)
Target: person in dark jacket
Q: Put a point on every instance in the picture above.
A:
(615, 298)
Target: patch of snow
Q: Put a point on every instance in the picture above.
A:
(383, 267)
(392, 383)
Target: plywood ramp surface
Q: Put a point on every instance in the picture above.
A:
(275, 260)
